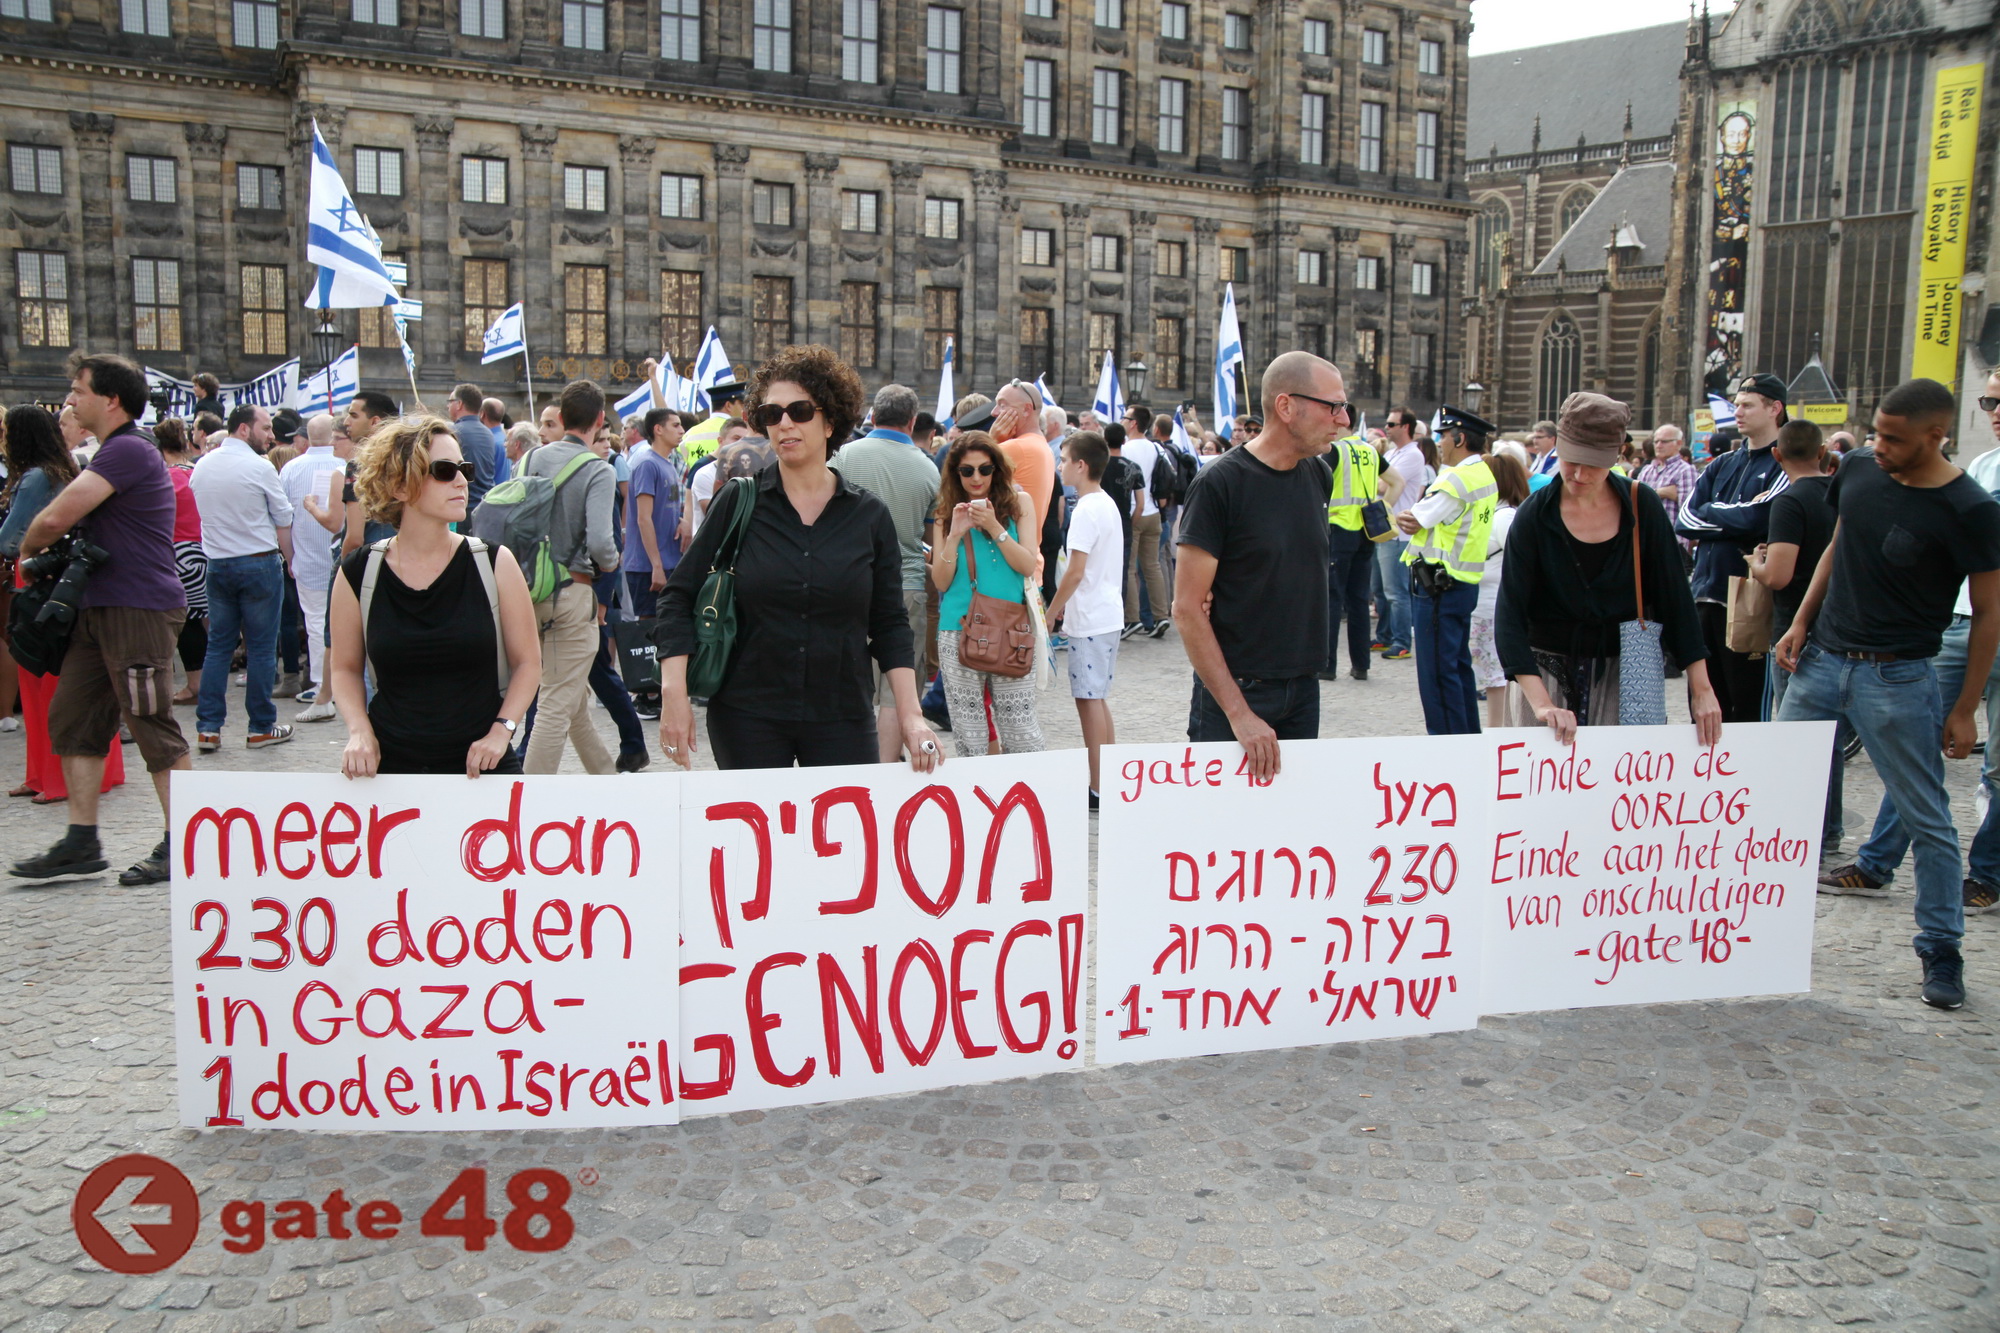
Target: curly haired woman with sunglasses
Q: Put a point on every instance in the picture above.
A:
(819, 591)
(430, 640)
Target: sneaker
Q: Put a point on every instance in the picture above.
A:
(1944, 977)
(1852, 880)
(277, 735)
(1058, 641)
(1093, 800)
(286, 688)
(1129, 631)
(634, 761)
(157, 868)
(1397, 655)
(648, 711)
(208, 742)
(10, 724)
(1358, 673)
(319, 712)
(1159, 630)
(1980, 897)
(307, 695)
(80, 856)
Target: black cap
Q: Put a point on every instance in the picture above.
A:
(980, 418)
(285, 424)
(1449, 416)
(1770, 386)
(723, 392)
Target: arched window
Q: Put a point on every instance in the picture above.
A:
(1892, 18)
(1492, 233)
(1561, 365)
(1572, 208)
(1813, 25)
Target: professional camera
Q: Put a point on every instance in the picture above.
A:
(161, 396)
(70, 563)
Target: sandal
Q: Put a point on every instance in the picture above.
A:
(41, 799)
(185, 697)
(25, 789)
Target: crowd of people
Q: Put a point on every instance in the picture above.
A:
(808, 576)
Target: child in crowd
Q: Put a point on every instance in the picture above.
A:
(1089, 599)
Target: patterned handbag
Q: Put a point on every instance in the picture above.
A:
(1642, 664)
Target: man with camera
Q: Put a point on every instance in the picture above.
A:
(119, 663)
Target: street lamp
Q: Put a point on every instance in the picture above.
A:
(1135, 379)
(326, 338)
(1473, 393)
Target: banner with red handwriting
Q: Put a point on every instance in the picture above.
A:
(1637, 866)
(1340, 902)
(849, 932)
(425, 953)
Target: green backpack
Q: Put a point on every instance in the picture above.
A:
(515, 514)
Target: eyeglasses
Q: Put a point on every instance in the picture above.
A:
(443, 469)
(1989, 404)
(766, 415)
(975, 470)
(1329, 404)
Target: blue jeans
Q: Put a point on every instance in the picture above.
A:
(246, 596)
(1395, 589)
(1893, 707)
(1833, 828)
(1445, 683)
(1348, 564)
(1883, 851)
(1291, 707)
(291, 628)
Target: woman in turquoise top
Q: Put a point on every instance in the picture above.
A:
(979, 506)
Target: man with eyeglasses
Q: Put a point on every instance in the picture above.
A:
(1403, 458)
(1252, 540)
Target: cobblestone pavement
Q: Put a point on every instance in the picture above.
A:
(1793, 1163)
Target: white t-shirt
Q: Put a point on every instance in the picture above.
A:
(1142, 453)
(1098, 605)
(702, 490)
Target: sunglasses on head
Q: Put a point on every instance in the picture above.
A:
(443, 469)
(975, 469)
(766, 415)
(1989, 404)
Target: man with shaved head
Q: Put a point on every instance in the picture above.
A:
(1252, 539)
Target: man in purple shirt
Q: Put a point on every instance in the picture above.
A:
(120, 658)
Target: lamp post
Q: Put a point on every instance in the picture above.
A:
(326, 341)
(1135, 380)
(1474, 392)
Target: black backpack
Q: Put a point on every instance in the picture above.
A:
(1165, 483)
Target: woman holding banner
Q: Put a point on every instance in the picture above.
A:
(1571, 580)
(449, 632)
(819, 592)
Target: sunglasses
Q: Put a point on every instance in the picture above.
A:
(443, 469)
(975, 469)
(766, 415)
(1989, 404)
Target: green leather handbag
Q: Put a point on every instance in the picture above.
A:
(715, 608)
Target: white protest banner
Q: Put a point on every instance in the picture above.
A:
(1338, 903)
(1637, 866)
(424, 952)
(853, 931)
(274, 390)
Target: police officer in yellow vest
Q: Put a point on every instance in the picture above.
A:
(725, 401)
(1448, 530)
(1350, 554)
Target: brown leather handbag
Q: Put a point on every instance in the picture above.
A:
(996, 636)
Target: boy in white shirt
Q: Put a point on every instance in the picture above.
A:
(1090, 599)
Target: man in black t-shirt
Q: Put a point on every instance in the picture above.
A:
(1911, 526)
(1253, 535)
(1801, 526)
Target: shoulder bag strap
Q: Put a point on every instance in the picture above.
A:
(370, 573)
(482, 560)
(1638, 582)
(744, 491)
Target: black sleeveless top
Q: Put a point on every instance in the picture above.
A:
(437, 683)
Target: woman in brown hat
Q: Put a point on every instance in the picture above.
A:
(1568, 584)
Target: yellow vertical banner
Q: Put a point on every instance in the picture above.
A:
(1954, 142)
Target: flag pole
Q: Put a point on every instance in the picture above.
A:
(527, 365)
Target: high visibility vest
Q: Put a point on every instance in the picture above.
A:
(1460, 545)
(699, 443)
(1355, 478)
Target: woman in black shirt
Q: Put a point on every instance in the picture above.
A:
(431, 637)
(819, 591)
(1566, 584)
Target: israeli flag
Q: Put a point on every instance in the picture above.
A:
(403, 340)
(1109, 404)
(334, 290)
(1182, 441)
(507, 336)
(1048, 399)
(1723, 410)
(636, 403)
(711, 363)
(1228, 356)
(947, 398)
(683, 394)
(339, 238)
(333, 388)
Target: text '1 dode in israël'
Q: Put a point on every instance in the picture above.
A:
(1381, 888)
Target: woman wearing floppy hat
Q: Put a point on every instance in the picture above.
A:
(1568, 584)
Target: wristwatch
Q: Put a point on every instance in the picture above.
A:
(511, 725)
